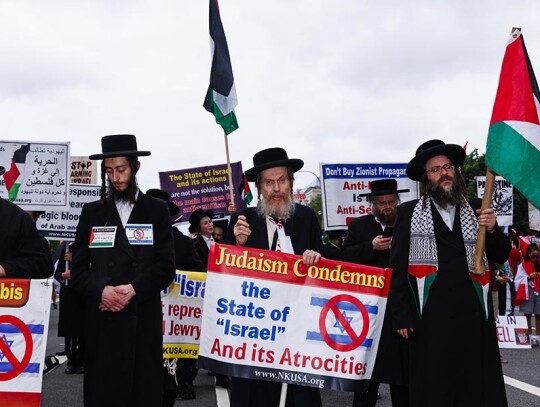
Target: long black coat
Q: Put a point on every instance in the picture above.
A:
(124, 355)
(391, 364)
(305, 233)
(71, 310)
(454, 355)
(22, 252)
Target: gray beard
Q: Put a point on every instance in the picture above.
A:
(284, 211)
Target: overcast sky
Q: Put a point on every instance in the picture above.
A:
(330, 81)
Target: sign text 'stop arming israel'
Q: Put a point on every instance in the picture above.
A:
(268, 316)
(344, 184)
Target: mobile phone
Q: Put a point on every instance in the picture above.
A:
(387, 232)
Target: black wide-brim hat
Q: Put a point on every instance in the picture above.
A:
(119, 145)
(430, 149)
(2, 170)
(222, 223)
(164, 196)
(197, 215)
(271, 158)
(384, 187)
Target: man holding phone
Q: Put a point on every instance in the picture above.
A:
(368, 242)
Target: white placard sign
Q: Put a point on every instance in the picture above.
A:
(343, 185)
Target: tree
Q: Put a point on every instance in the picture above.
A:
(475, 165)
(316, 205)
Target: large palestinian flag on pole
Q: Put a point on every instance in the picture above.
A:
(513, 146)
(221, 98)
(13, 177)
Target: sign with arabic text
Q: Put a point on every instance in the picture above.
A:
(36, 174)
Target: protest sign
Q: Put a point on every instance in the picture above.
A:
(342, 185)
(502, 200)
(63, 225)
(182, 304)
(512, 332)
(36, 176)
(268, 316)
(24, 324)
(203, 187)
(534, 217)
(83, 170)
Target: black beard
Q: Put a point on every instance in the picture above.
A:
(443, 198)
(124, 195)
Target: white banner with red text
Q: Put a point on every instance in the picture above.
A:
(24, 324)
(512, 332)
(344, 187)
(268, 316)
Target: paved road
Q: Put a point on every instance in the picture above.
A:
(60, 389)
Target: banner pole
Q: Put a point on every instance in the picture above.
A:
(479, 267)
(229, 171)
(283, 395)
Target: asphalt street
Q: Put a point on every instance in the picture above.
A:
(522, 372)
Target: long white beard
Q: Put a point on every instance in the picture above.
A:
(279, 211)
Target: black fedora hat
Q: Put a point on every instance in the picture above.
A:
(197, 215)
(164, 196)
(119, 145)
(2, 170)
(384, 187)
(271, 158)
(433, 148)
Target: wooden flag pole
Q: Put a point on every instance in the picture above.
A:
(229, 171)
(479, 266)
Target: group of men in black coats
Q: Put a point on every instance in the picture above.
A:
(124, 256)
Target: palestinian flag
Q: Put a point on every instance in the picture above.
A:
(220, 99)
(13, 177)
(247, 196)
(514, 134)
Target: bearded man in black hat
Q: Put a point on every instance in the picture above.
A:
(123, 259)
(438, 303)
(277, 223)
(22, 252)
(368, 242)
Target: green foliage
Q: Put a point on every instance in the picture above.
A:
(316, 205)
(475, 165)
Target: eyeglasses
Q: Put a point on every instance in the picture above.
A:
(437, 168)
(386, 203)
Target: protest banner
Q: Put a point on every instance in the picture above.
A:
(512, 332)
(342, 185)
(63, 225)
(502, 201)
(182, 305)
(268, 316)
(24, 324)
(36, 177)
(534, 217)
(83, 170)
(203, 187)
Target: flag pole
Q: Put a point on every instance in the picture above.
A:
(479, 266)
(229, 171)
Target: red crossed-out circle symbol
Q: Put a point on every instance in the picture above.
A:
(331, 305)
(138, 234)
(18, 365)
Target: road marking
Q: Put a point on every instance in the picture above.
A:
(529, 388)
(222, 396)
